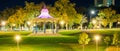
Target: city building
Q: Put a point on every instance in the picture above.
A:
(107, 3)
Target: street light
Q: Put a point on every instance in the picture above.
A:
(97, 38)
(18, 38)
(91, 13)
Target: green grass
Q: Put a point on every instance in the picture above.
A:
(90, 31)
(12, 33)
(49, 47)
(69, 32)
(38, 40)
(103, 31)
(54, 43)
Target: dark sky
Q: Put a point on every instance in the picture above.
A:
(12, 3)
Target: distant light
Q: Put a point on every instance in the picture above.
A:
(28, 23)
(118, 22)
(92, 12)
(62, 22)
(13, 24)
(94, 21)
(3, 23)
(99, 5)
(17, 37)
(34, 25)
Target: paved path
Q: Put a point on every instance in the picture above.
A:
(44, 34)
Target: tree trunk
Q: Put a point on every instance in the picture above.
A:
(117, 48)
(81, 26)
(66, 26)
(70, 27)
(11, 28)
(110, 25)
(83, 47)
(19, 27)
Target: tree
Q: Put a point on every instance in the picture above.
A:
(66, 11)
(81, 10)
(6, 13)
(116, 40)
(108, 14)
(81, 19)
(18, 18)
(107, 40)
(32, 10)
(104, 22)
(118, 17)
(84, 39)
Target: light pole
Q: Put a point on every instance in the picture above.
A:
(97, 39)
(18, 38)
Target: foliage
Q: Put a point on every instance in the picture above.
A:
(115, 39)
(81, 19)
(6, 13)
(84, 39)
(104, 22)
(32, 10)
(65, 10)
(90, 25)
(17, 18)
(107, 40)
(108, 14)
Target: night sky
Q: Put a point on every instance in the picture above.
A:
(13, 3)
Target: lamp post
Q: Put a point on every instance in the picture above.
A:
(18, 38)
(97, 39)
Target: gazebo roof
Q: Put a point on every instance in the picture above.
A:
(44, 13)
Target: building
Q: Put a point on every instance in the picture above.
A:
(107, 3)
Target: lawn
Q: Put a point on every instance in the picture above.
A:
(67, 42)
(49, 47)
(13, 33)
(38, 40)
(103, 31)
(70, 32)
(90, 31)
